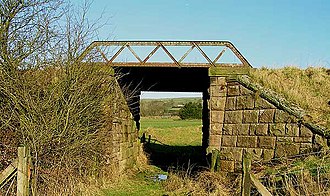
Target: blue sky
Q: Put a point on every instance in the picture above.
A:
(272, 33)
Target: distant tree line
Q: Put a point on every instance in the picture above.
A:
(191, 110)
(171, 107)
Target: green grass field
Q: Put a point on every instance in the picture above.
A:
(173, 131)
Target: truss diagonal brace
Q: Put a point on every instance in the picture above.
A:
(169, 54)
(219, 56)
(186, 54)
(203, 53)
(102, 54)
(133, 52)
(117, 53)
(151, 53)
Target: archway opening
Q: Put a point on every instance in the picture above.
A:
(171, 129)
(136, 80)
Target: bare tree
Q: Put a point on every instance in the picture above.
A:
(58, 119)
(28, 27)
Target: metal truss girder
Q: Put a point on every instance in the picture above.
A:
(163, 45)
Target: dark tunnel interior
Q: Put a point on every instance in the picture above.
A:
(133, 80)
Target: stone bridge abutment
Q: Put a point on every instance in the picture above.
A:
(241, 119)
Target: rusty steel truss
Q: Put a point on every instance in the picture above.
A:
(161, 45)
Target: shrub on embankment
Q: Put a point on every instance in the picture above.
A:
(308, 88)
(64, 116)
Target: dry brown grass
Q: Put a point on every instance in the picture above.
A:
(202, 183)
(63, 116)
(301, 176)
(308, 88)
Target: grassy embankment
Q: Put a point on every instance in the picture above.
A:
(308, 88)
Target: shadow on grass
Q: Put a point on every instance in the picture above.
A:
(176, 157)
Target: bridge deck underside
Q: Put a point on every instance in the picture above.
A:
(164, 79)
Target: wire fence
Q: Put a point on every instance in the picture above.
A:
(304, 174)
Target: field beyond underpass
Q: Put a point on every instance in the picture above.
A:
(173, 131)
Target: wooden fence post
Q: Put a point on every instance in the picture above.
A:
(246, 179)
(143, 138)
(22, 172)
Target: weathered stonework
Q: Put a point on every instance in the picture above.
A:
(250, 116)
(233, 117)
(229, 141)
(241, 119)
(247, 141)
(123, 136)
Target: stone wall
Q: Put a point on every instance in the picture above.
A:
(241, 119)
(123, 144)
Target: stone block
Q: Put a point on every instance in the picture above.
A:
(217, 116)
(244, 102)
(266, 116)
(233, 117)
(215, 141)
(233, 89)
(247, 141)
(227, 166)
(320, 141)
(252, 129)
(218, 103)
(261, 103)
(213, 81)
(292, 130)
(218, 91)
(266, 142)
(231, 103)
(283, 117)
(240, 129)
(229, 141)
(306, 145)
(245, 91)
(277, 129)
(303, 139)
(260, 129)
(221, 80)
(230, 153)
(284, 149)
(268, 154)
(216, 128)
(284, 139)
(255, 153)
(227, 129)
(305, 132)
(250, 116)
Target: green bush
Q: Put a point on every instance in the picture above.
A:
(191, 110)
